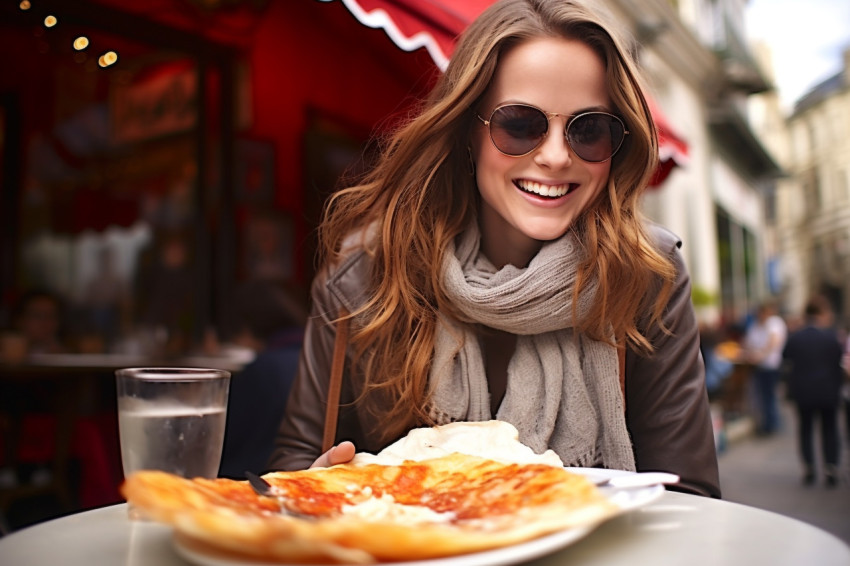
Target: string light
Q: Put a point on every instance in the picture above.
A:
(107, 59)
(80, 43)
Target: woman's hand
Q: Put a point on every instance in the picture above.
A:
(339, 454)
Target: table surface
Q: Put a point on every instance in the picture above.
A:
(676, 529)
(71, 364)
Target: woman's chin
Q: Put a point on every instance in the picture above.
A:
(546, 234)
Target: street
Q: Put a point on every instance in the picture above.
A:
(765, 472)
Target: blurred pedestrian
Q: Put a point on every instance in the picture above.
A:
(763, 342)
(271, 323)
(167, 291)
(39, 319)
(106, 300)
(845, 389)
(814, 384)
(717, 366)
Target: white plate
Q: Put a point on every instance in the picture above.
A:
(625, 499)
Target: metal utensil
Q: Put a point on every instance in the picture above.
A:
(265, 489)
(261, 486)
(640, 479)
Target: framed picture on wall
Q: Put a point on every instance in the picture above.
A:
(255, 171)
(268, 244)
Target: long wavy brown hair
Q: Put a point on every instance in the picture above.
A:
(420, 196)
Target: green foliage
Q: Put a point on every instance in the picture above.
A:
(702, 297)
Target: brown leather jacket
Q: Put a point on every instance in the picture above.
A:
(667, 409)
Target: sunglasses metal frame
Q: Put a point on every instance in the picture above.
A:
(549, 115)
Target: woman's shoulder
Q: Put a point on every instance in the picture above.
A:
(663, 238)
(347, 277)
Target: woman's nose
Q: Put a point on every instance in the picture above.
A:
(554, 152)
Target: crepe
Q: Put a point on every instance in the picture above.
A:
(373, 512)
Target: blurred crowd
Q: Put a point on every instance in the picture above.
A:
(801, 358)
(139, 293)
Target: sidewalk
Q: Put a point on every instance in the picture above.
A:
(765, 472)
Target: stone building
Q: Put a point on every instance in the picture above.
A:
(812, 220)
(701, 73)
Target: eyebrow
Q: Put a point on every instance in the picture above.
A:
(598, 108)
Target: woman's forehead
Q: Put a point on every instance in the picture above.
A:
(553, 73)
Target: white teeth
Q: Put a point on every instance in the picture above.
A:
(552, 191)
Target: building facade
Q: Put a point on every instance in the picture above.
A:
(813, 200)
(701, 72)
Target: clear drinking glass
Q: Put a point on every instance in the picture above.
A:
(172, 419)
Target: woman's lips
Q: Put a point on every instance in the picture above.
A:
(545, 190)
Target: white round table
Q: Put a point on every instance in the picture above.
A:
(674, 530)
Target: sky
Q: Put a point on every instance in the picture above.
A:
(806, 37)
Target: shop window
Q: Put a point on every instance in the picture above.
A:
(111, 177)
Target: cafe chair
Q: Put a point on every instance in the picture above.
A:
(35, 464)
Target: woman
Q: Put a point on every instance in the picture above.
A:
(492, 265)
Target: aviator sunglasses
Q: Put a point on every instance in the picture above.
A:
(518, 129)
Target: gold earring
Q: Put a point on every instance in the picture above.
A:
(471, 161)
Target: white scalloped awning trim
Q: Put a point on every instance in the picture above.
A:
(379, 18)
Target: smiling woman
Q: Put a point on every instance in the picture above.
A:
(495, 265)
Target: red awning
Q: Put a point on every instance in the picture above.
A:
(672, 149)
(411, 24)
(435, 24)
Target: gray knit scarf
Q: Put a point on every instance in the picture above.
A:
(563, 390)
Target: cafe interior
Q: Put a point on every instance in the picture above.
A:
(201, 135)
(156, 156)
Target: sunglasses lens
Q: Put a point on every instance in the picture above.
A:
(595, 137)
(517, 130)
